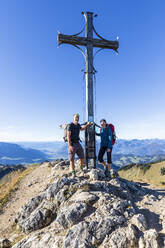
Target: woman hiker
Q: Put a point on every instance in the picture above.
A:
(105, 146)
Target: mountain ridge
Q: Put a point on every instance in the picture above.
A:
(11, 153)
(153, 173)
(51, 209)
(124, 152)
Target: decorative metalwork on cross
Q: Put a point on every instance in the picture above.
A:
(89, 42)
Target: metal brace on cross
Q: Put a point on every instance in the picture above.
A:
(89, 42)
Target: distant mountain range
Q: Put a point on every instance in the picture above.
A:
(124, 152)
(138, 151)
(149, 147)
(13, 154)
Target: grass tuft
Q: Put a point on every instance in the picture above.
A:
(162, 171)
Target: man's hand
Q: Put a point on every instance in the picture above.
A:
(88, 123)
(108, 150)
(84, 127)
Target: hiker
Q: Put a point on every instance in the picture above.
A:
(74, 146)
(106, 145)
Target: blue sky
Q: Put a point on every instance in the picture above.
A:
(42, 85)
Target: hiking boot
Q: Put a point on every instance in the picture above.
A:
(107, 174)
(106, 171)
(82, 167)
(73, 174)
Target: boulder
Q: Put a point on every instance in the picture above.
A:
(85, 197)
(96, 174)
(78, 236)
(72, 214)
(140, 221)
(40, 240)
(122, 238)
(41, 217)
(149, 240)
(104, 227)
(55, 187)
(29, 207)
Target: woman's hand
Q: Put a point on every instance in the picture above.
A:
(108, 150)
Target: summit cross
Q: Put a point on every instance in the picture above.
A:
(89, 42)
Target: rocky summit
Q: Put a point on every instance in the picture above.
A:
(88, 211)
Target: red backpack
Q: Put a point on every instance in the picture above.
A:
(113, 133)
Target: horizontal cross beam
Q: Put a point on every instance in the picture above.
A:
(83, 41)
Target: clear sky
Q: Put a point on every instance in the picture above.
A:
(41, 85)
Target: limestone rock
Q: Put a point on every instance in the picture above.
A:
(55, 187)
(96, 174)
(61, 196)
(149, 240)
(78, 236)
(122, 238)
(139, 221)
(83, 197)
(28, 208)
(59, 165)
(120, 206)
(72, 214)
(100, 229)
(86, 212)
(41, 217)
(40, 240)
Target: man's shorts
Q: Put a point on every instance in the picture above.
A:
(77, 149)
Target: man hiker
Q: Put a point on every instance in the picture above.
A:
(74, 146)
(106, 145)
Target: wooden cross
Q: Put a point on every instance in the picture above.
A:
(89, 42)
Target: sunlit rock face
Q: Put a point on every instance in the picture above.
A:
(87, 211)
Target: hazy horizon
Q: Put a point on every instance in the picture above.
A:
(40, 141)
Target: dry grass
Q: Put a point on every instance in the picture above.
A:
(19, 238)
(151, 175)
(7, 189)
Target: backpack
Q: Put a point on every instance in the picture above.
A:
(65, 128)
(113, 133)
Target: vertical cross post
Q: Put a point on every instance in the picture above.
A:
(89, 67)
(90, 131)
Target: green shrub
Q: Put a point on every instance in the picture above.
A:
(162, 171)
(126, 167)
(144, 167)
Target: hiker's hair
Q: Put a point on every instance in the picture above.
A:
(76, 115)
(103, 120)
